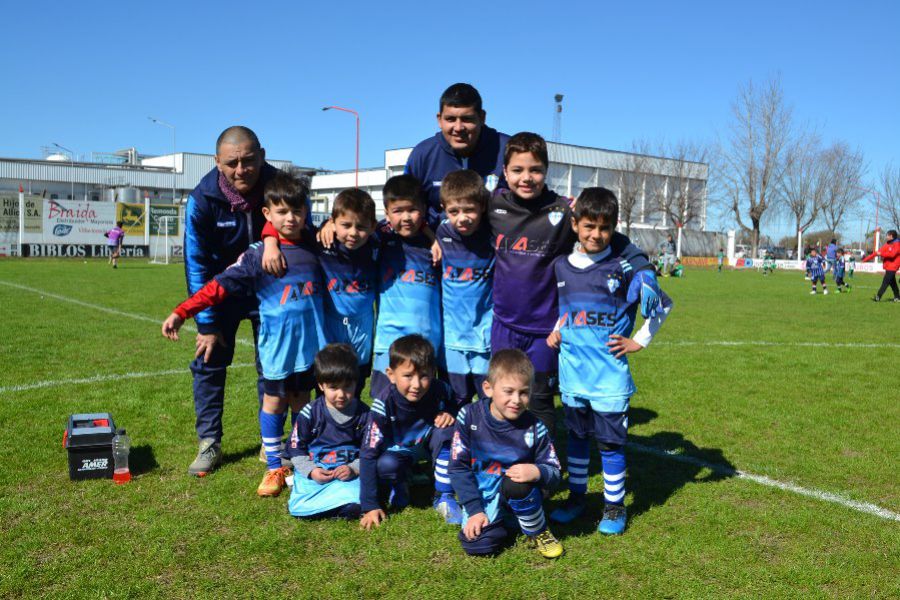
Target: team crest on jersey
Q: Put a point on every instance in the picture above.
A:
(375, 435)
(491, 182)
(529, 438)
(613, 283)
(551, 456)
(555, 217)
(457, 447)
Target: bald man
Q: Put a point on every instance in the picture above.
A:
(223, 217)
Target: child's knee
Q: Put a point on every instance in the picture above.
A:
(491, 541)
(512, 490)
(390, 466)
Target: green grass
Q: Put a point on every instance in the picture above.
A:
(816, 416)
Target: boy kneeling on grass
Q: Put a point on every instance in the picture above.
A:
(502, 459)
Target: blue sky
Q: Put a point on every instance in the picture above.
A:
(88, 74)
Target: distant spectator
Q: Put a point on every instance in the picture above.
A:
(831, 254)
(668, 249)
(890, 256)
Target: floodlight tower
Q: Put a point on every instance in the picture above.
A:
(557, 118)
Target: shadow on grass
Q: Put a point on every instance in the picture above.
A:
(142, 460)
(233, 457)
(658, 466)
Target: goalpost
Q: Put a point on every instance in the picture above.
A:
(167, 243)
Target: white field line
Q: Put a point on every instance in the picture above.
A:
(105, 309)
(97, 378)
(864, 507)
(729, 343)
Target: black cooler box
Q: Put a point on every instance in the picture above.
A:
(88, 439)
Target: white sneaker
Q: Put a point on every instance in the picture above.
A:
(813, 292)
(825, 292)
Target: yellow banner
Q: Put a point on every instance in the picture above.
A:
(132, 217)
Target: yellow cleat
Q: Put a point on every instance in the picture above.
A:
(272, 484)
(547, 544)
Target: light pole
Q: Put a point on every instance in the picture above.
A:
(172, 127)
(71, 167)
(356, 114)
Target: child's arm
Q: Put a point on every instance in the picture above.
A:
(273, 261)
(210, 294)
(373, 445)
(462, 478)
(620, 345)
(546, 463)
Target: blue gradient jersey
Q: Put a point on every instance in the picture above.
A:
(351, 278)
(326, 442)
(840, 267)
(467, 285)
(594, 303)
(409, 292)
(291, 310)
(815, 266)
(395, 424)
(484, 447)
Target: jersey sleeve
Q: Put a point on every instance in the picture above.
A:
(297, 449)
(462, 478)
(209, 295)
(653, 324)
(374, 442)
(545, 458)
(199, 231)
(240, 278)
(268, 231)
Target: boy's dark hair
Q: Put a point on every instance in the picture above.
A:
(356, 201)
(510, 362)
(461, 95)
(288, 189)
(464, 185)
(834, 240)
(403, 187)
(412, 348)
(120, 223)
(526, 141)
(595, 203)
(892, 233)
(336, 364)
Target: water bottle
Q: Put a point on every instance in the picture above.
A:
(121, 445)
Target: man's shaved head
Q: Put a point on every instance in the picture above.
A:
(237, 134)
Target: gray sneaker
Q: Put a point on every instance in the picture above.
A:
(208, 458)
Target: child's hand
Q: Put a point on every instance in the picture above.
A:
(444, 419)
(620, 345)
(554, 339)
(373, 518)
(171, 326)
(273, 261)
(474, 525)
(326, 233)
(321, 475)
(523, 473)
(436, 253)
(344, 473)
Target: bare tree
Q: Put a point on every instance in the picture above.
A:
(751, 161)
(890, 194)
(845, 168)
(683, 204)
(633, 168)
(802, 187)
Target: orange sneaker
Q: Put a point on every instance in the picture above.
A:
(272, 484)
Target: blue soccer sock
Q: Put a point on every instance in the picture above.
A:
(614, 475)
(529, 512)
(441, 476)
(577, 463)
(271, 427)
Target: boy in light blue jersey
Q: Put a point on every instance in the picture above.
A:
(467, 282)
(291, 315)
(409, 285)
(599, 295)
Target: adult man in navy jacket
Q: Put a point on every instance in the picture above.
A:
(464, 142)
(223, 218)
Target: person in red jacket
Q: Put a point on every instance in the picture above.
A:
(890, 255)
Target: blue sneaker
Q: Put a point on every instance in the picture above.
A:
(613, 521)
(570, 511)
(447, 506)
(399, 496)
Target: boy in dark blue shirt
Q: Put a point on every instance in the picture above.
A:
(502, 459)
(599, 292)
(815, 269)
(411, 421)
(324, 444)
(291, 315)
(467, 282)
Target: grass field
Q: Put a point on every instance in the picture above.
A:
(750, 374)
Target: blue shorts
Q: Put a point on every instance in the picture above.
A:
(292, 384)
(583, 422)
(463, 362)
(817, 278)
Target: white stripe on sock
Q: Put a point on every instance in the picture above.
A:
(613, 487)
(573, 460)
(614, 477)
(442, 479)
(614, 497)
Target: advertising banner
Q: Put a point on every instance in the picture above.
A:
(132, 217)
(9, 214)
(81, 251)
(71, 222)
(171, 224)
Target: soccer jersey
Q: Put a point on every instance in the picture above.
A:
(815, 266)
(115, 236)
(467, 284)
(484, 447)
(409, 293)
(291, 310)
(351, 278)
(326, 442)
(596, 302)
(840, 267)
(398, 425)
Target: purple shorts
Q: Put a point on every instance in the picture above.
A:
(544, 358)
